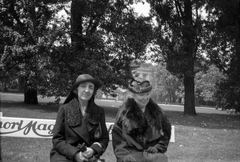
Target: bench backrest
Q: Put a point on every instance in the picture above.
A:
(38, 128)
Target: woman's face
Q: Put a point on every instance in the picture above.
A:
(85, 90)
(142, 99)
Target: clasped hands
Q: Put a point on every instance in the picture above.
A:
(85, 155)
(152, 150)
(130, 158)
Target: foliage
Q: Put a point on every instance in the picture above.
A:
(178, 34)
(110, 38)
(101, 38)
(25, 29)
(228, 95)
(166, 85)
(206, 84)
(174, 34)
(223, 47)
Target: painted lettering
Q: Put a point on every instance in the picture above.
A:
(31, 126)
(10, 125)
(6, 125)
(27, 128)
(50, 128)
(42, 127)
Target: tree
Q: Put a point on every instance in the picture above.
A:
(178, 33)
(106, 37)
(97, 37)
(223, 46)
(25, 27)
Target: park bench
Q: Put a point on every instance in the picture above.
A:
(38, 128)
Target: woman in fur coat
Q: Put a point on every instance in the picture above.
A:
(80, 132)
(141, 132)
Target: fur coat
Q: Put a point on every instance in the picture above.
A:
(136, 131)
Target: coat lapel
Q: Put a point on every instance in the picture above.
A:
(82, 131)
(76, 121)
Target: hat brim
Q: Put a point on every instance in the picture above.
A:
(96, 83)
(144, 90)
(71, 95)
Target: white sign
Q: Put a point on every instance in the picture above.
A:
(38, 128)
(26, 127)
(30, 128)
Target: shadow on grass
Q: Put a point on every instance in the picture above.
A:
(22, 105)
(204, 120)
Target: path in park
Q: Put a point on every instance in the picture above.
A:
(111, 103)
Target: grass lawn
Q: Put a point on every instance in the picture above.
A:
(210, 136)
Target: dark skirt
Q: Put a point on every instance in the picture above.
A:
(148, 157)
(60, 158)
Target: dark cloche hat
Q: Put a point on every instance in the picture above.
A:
(86, 78)
(81, 79)
(139, 85)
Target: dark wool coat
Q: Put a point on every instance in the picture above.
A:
(135, 131)
(71, 129)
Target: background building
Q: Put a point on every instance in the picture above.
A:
(143, 71)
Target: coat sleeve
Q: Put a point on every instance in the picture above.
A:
(105, 137)
(162, 145)
(120, 146)
(59, 140)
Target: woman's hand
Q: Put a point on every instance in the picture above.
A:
(129, 158)
(152, 150)
(88, 153)
(79, 157)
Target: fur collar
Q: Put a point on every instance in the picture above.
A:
(134, 120)
(74, 115)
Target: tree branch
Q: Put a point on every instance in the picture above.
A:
(14, 14)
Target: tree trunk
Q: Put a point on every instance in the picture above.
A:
(77, 9)
(189, 101)
(238, 43)
(190, 55)
(30, 96)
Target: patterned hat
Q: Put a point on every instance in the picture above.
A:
(139, 85)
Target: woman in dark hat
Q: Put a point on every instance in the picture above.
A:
(141, 132)
(80, 132)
